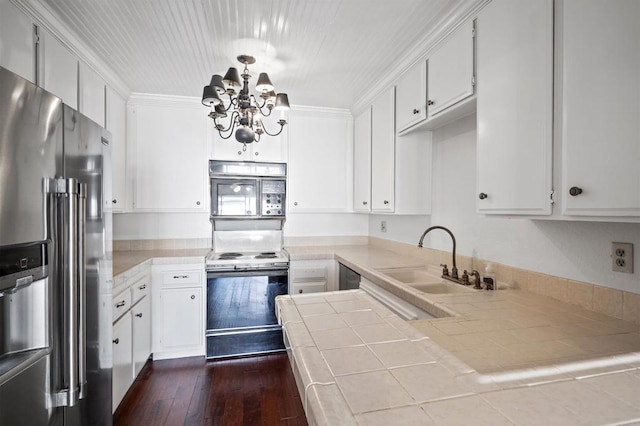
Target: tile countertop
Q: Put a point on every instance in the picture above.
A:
(502, 357)
(123, 261)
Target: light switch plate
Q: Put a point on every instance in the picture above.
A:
(622, 257)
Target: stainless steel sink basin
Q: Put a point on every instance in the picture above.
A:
(443, 287)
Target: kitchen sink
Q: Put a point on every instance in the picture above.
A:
(425, 281)
(443, 287)
(411, 276)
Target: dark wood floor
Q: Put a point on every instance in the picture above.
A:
(192, 391)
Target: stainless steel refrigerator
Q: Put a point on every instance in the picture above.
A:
(55, 261)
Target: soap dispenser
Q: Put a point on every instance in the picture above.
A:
(489, 278)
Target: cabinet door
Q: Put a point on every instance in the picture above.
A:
(169, 140)
(320, 161)
(141, 317)
(601, 107)
(181, 318)
(92, 97)
(269, 149)
(17, 51)
(122, 359)
(362, 162)
(59, 69)
(116, 124)
(514, 152)
(450, 75)
(411, 97)
(383, 152)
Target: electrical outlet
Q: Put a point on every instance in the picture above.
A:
(622, 257)
(383, 226)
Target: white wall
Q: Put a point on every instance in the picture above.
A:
(575, 250)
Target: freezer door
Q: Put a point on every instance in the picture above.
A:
(88, 160)
(30, 135)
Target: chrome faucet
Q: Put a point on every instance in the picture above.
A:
(454, 269)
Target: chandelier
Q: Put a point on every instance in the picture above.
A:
(245, 112)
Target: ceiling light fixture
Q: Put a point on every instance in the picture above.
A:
(246, 112)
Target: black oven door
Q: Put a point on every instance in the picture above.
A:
(241, 316)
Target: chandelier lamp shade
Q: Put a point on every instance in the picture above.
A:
(228, 97)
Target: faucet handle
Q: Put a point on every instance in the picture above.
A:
(488, 283)
(445, 270)
(465, 277)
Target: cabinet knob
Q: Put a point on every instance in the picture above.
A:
(114, 201)
(193, 296)
(120, 304)
(482, 196)
(386, 201)
(139, 315)
(416, 111)
(430, 102)
(575, 191)
(256, 153)
(116, 340)
(364, 203)
(295, 203)
(300, 291)
(239, 152)
(197, 203)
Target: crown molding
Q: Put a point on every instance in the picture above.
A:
(45, 17)
(442, 29)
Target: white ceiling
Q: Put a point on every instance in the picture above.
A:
(320, 52)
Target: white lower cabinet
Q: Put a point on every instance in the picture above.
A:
(178, 311)
(122, 359)
(312, 276)
(141, 319)
(131, 339)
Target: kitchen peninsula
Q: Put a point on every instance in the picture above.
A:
(503, 357)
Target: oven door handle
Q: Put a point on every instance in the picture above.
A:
(276, 272)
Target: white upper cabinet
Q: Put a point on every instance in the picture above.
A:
(17, 53)
(320, 160)
(167, 144)
(600, 107)
(383, 143)
(411, 97)
(514, 107)
(92, 94)
(269, 149)
(362, 162)
(116, 124)
(59, 74)
(450, 75)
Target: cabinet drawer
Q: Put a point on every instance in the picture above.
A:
(121, 304)
(309, 273)
(177, 278)
(308, 287)
(140, 288)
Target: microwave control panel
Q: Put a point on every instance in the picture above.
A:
(273, 197)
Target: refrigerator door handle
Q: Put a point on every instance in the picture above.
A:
(74, 274)
(82, 290)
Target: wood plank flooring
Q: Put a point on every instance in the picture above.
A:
(192, 391)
